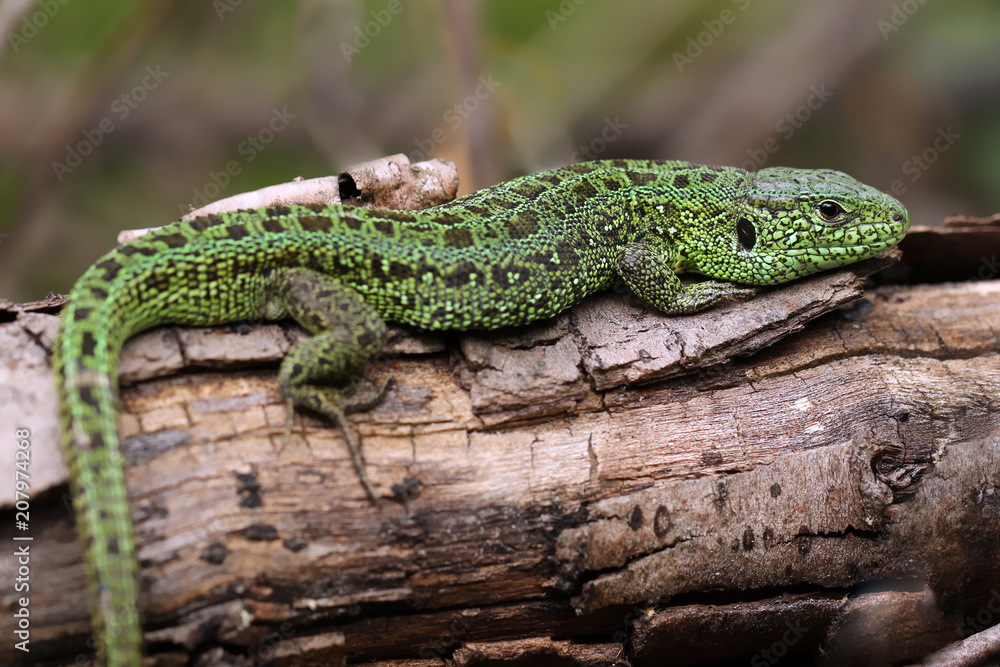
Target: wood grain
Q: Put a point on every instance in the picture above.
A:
(585, 491)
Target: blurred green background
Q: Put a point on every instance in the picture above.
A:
(119, 114)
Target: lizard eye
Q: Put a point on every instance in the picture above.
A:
(746, 233)
(830, 209)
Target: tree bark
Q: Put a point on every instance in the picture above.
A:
(610, 487)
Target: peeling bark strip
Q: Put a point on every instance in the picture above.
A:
(560, 500)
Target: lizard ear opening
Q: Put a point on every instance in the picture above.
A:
(746, 233)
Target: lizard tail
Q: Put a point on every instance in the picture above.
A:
(91, 333)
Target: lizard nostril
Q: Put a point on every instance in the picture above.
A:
(896, 217)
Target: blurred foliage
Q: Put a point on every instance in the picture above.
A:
(501, 87)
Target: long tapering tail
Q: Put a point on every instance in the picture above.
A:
(90, 337)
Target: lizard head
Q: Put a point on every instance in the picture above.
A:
(795, 222)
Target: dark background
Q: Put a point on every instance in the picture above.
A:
(119, 114)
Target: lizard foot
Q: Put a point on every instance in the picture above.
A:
(335, 405)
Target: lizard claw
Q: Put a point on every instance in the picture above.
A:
(289, 419)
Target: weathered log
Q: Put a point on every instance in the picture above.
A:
(608, 487)
(589, 490)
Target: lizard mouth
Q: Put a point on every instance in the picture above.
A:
(864, 236)
(837, 248)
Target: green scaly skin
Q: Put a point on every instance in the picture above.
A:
(514, 253)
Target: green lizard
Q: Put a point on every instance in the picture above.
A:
(513, 253)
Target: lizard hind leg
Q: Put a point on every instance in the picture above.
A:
(318, 374)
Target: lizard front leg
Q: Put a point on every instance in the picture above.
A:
(649, 272)
(347, 334)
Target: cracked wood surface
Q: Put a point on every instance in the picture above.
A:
(588, 490)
